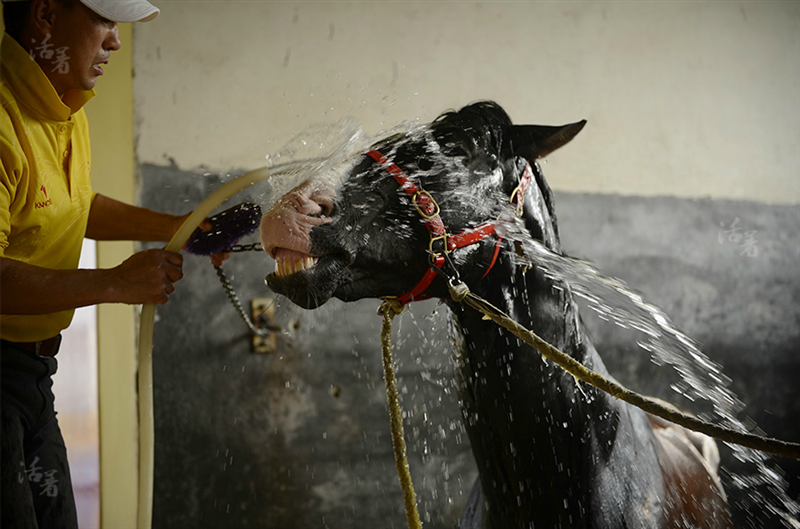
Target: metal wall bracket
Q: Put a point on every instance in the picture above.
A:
(262, 313)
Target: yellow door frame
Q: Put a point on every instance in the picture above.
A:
(113, 174)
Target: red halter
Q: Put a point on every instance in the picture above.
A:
(445, 243)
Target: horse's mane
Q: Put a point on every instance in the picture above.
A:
(476, 120)
(487, 112)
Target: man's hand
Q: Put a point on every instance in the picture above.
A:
(147, 277)
(218, 258)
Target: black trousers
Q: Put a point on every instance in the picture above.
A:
(36, 484)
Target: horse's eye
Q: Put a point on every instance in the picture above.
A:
(424, 164)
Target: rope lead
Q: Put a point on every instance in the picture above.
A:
(389, 309)
(647, 404)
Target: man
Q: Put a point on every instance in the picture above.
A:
(52, 54)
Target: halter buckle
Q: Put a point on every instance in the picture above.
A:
(422, 199)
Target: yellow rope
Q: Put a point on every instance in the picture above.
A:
(648, 404)
(389, 309)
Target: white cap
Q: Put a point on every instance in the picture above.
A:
(118, 10)
(123, 10)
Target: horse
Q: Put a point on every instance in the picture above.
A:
(446, 199)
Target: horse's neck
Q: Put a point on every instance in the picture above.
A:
(537, 303)
(520, 410)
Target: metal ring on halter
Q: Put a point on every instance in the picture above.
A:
(520, 205)
(435, 252)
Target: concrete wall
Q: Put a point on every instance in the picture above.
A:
(694, 122)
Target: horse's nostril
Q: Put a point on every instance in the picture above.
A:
(326, 209)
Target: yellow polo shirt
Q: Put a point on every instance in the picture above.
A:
(45, 190)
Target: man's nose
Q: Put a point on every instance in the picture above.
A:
(113, 41)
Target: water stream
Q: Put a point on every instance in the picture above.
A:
(701, 386)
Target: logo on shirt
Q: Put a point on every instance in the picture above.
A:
(44, 203)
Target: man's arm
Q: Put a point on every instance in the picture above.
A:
(145, 277)
(111, 220)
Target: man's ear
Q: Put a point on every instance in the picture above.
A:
(43, 16)
(537, 141)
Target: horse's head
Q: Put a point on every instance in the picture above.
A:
(371, 235)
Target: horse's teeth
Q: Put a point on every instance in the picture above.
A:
(285, 267)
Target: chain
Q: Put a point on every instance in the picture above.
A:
(237, 248)
(229, 290)
(226, 284)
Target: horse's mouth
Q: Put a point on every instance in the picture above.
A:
(307, 280)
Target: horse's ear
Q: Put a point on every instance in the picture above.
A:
(537, 141)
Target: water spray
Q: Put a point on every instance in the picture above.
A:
(206, 245)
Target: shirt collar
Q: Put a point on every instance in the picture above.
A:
(32, 88)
